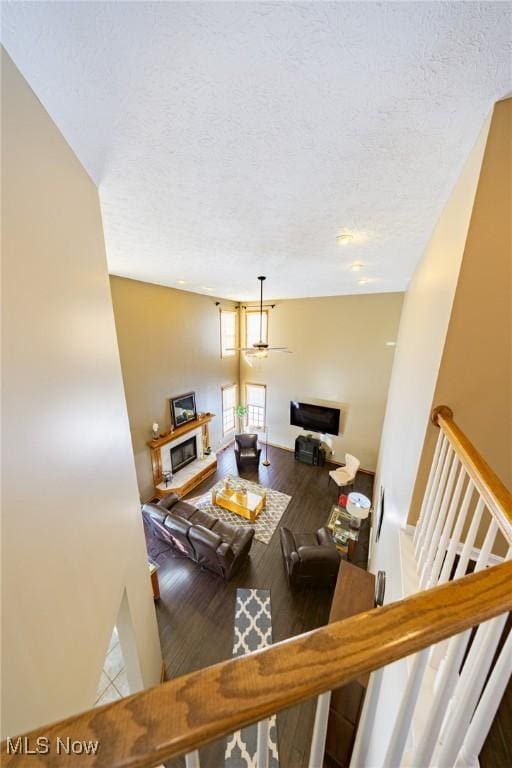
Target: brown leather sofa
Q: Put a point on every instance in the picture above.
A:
(311, 559)
(247, 451)
(212, 543)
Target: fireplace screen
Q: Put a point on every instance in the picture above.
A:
(183, 454)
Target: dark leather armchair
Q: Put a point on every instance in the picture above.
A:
(311, 559)
(247, 451)
(212, 543)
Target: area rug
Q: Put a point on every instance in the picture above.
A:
(268, 519)
(253, 630)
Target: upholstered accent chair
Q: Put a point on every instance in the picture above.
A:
(310, 559)
(247, 452)
(345, 476)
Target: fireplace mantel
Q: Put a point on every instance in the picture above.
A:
(187, 478)
(190, 426)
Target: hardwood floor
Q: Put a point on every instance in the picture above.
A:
(196, 610)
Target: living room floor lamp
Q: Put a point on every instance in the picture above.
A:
(266, 462)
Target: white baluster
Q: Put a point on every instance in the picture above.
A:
(443, 691)
(447, 528)
(367, 720)
(428, 513)
(468, 690)
(457, 531)
(262, 748)
(428, 490)
(483, 557)
(432, 546)
(192, 760)
(316, 755)
(435, 509)
(487, 708)
(470, 540)
(482, 561)
(406, 711)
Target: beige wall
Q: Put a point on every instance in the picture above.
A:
(169, 342)
(475, 375)
(421, 338)
(423, 327)
(339, 358)
(455, 339)
(72, 538)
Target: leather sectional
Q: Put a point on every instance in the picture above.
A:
(212, 543)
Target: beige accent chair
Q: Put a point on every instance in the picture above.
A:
(344, 476)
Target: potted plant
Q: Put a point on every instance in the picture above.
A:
(241, 412)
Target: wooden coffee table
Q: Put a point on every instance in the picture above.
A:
(244, 503)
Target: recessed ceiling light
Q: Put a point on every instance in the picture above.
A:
(344, 237)
(356, 266)
(183, 282)
(390, 343)
(206, 288)
(364, 280)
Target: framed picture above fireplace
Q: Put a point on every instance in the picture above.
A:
(183, 409)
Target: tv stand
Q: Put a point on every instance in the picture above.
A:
(308, 450)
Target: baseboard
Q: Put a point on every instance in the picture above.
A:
(278, 445)
(327, 461)
(473, 555)
(342, 464)
(226, 445)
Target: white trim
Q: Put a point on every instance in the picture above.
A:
(474, 552)
(318, 739)
(223, 353)
(327, 461)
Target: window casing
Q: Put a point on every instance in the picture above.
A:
(252, 327)
(255, 400)
(228, 332)
(229, 396)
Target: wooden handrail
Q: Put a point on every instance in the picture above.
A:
(497, 497)
(191, 711)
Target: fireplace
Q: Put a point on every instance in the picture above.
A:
(183, 454)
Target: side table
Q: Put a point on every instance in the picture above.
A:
(344, 529)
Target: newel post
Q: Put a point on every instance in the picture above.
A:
(441, 410)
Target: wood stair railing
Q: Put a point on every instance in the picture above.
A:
(189, 712)
(494, 493)
(186, 713)
(454, 688)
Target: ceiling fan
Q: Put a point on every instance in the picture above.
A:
(260, 349)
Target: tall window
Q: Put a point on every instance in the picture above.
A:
(228, 408)
(228, 329)
(252, 327)
(255, 400)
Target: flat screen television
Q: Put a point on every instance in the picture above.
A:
(315, 418)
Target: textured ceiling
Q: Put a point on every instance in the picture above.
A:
(230, 140)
